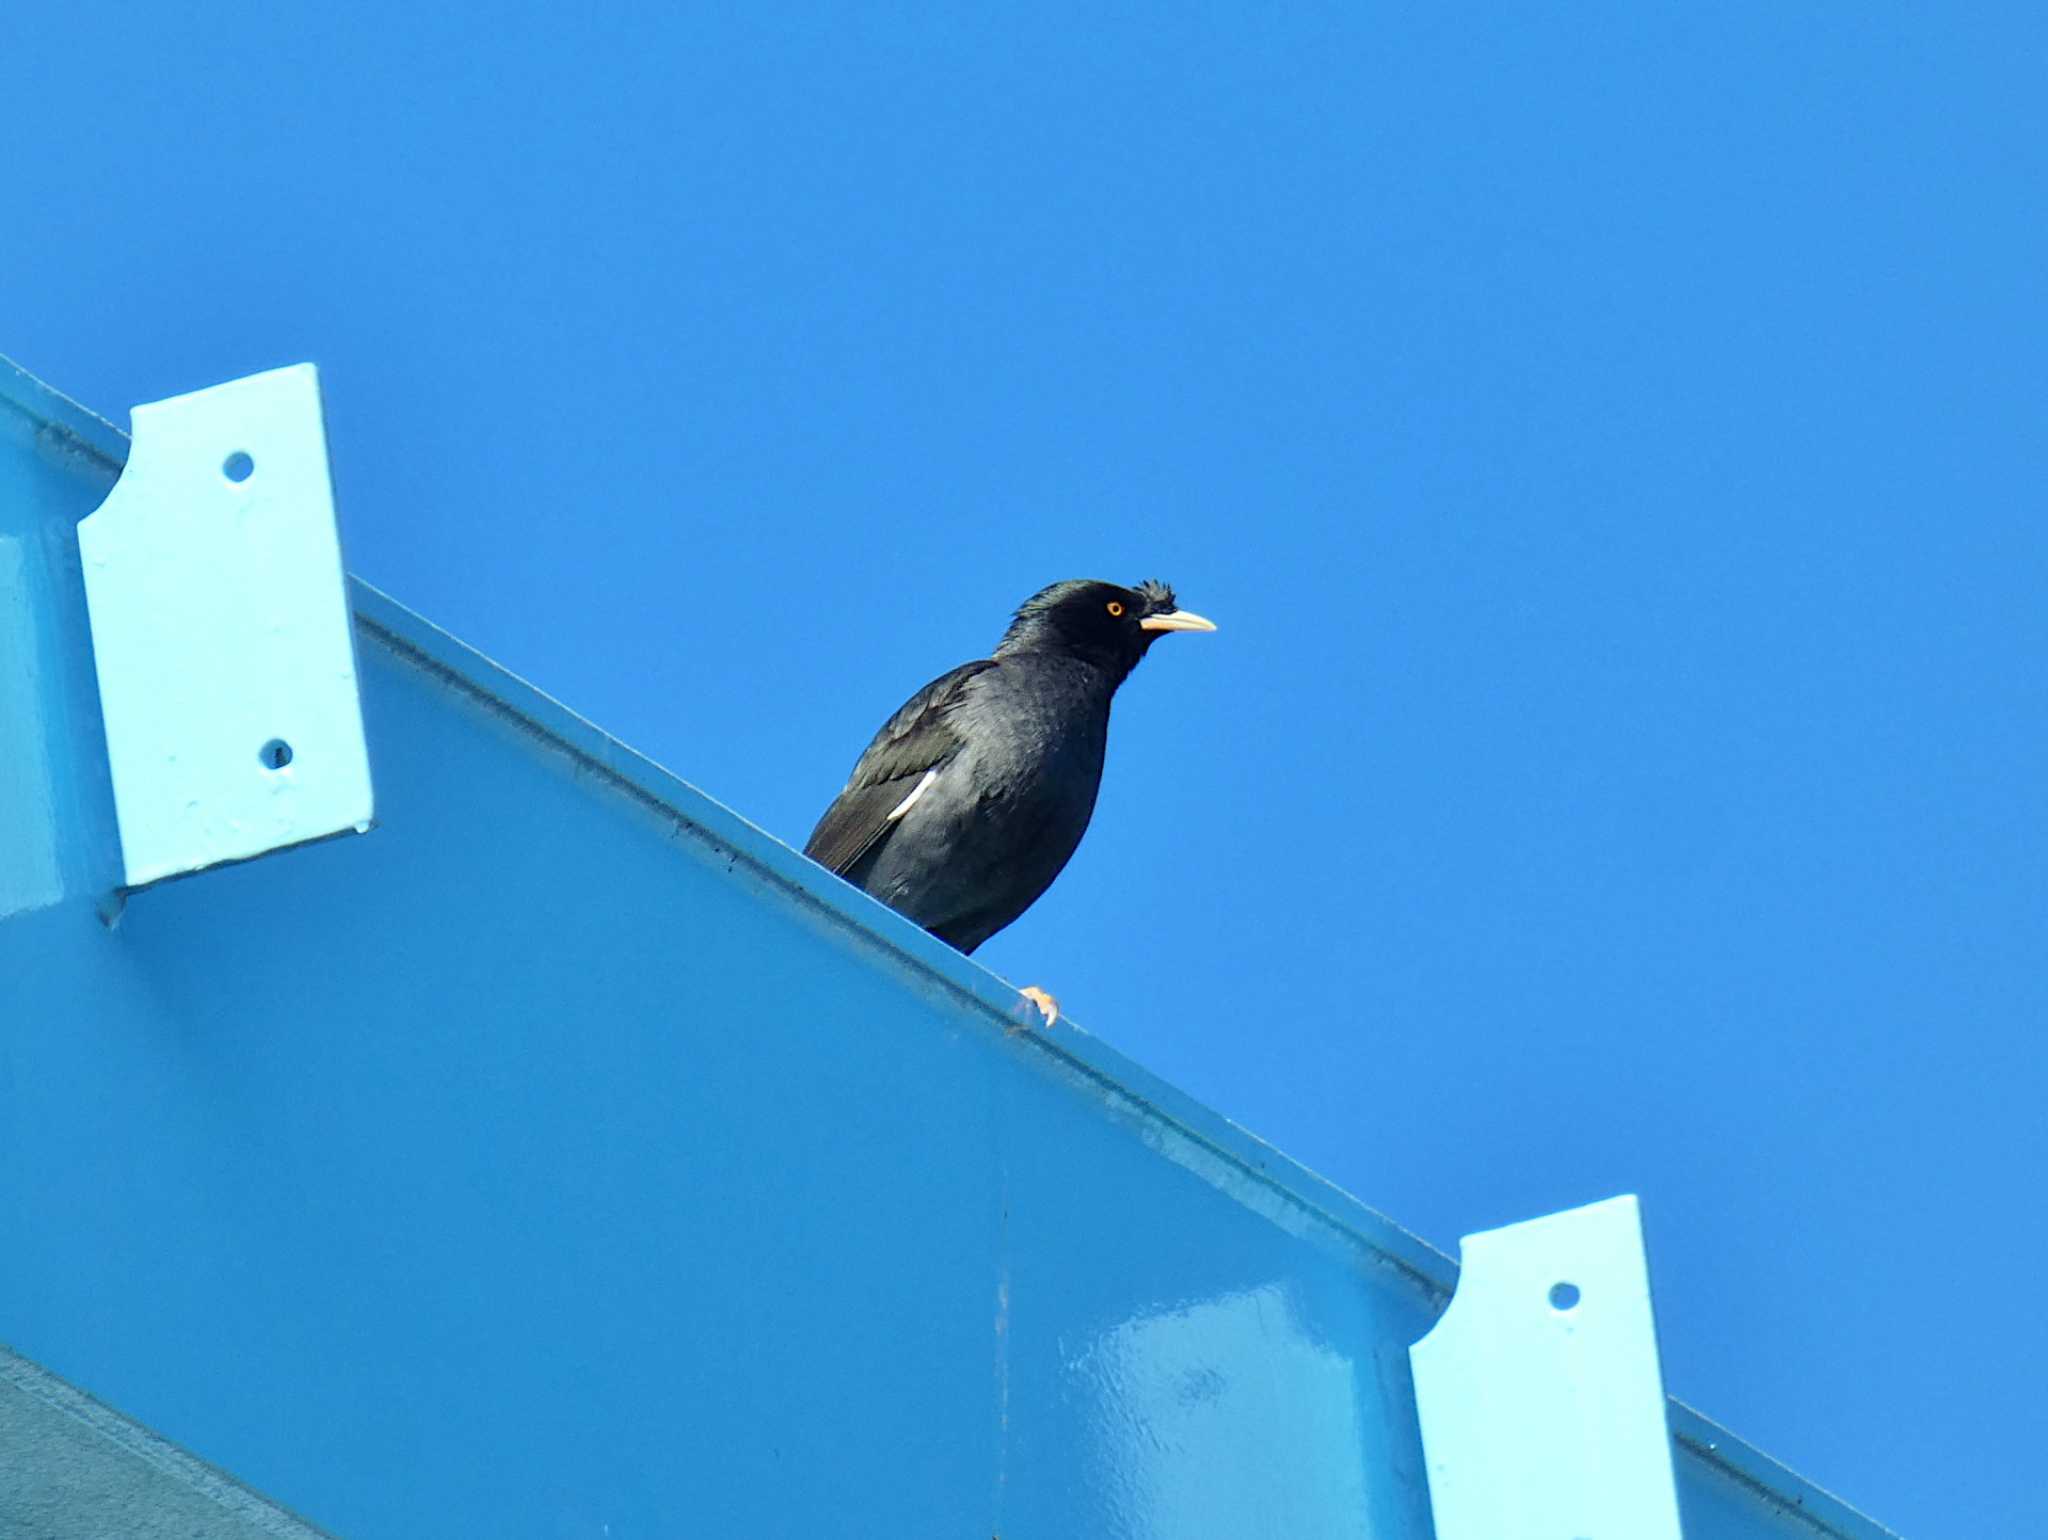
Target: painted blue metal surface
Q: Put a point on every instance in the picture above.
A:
(570, 1158)
(57, 832)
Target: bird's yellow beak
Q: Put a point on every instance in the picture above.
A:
(1176, 620)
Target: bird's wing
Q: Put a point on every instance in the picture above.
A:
(912, 745)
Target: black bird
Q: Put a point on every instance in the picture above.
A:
(973, 796)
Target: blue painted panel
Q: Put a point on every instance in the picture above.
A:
(1187, 1355)
(535, 1229)
(56, 801)
(567, 1158)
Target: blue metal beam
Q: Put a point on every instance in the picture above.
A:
(570, 1157)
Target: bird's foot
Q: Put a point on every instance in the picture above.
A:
(1048, 1007)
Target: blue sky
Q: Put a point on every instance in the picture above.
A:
(1610, 439)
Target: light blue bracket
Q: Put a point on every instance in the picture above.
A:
(221, 632)
(1539, 1391)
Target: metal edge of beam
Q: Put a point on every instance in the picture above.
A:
(1770, 1482)
(124, 1440)
(74, 433)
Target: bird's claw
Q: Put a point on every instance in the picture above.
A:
(1048, 1007)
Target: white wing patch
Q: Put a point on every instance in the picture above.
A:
(910, 801)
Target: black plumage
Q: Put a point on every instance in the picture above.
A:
(973, 796)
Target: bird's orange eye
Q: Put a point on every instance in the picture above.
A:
(1115, 607)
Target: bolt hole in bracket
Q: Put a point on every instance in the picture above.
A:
(221, 632)
(1539, 1390)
